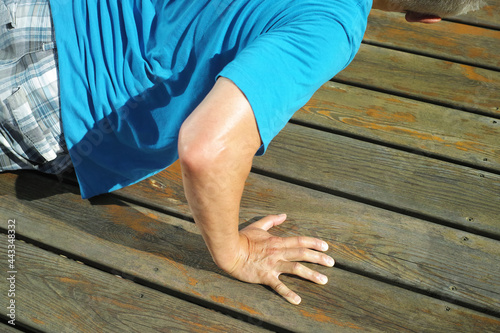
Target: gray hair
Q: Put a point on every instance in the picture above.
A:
(440, 8)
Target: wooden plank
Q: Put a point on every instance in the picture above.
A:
(437, 81)
(65, 295)
(489, 16)
(166, 251)
(454, 194)
(397, 247)
(56, 294)
(7, 328)
(453, 41)
(416, 126)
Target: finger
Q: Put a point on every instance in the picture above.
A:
(302, 271)
(286, 292)
(307, 242)
(303, 254)
(269, 221)
(422, 18)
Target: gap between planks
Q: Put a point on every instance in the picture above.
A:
(70, 296)
(340, 280)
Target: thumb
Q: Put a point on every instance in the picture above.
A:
(269, 221)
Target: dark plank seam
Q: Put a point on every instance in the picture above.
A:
(429, 55)
(394, 146)
(373, 203)
(185, 297)
(20, 326)
(415, 98)
(278, 177)
(234, 314)
(488, 311)
(474, 24)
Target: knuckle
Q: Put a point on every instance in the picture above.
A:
(302, 241)
(276, 241)
(279, 286)
(296, 268)
(271, 251)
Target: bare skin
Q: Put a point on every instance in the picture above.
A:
(216, 148)
(217, 143)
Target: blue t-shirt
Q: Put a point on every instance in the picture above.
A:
(131, 71)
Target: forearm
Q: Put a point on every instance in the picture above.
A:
(214, 195)
(216, 147)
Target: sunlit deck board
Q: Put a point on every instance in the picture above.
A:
(147, 246)
(400, 175)
(61, 295)
(432, 80)
(412, 183)
(458, 42)
(418, 127)
(357, 231)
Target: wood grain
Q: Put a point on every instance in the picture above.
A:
(56, 294)
(453, 41)
(7, 328)
(412, 125)
(390, 245)
(413, 183)
(419, 227)
(441, 82)
(167, 252)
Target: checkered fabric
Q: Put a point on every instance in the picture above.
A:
(30, 126)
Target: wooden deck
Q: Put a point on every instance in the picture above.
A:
(395, 163)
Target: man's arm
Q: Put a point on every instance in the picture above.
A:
(216, 147)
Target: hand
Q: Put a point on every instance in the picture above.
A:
(263, 257)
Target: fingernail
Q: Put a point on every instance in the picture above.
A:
(324, 246)
(330, 261)
(324, 279)
(297, 300)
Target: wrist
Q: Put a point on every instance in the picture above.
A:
(230, 259)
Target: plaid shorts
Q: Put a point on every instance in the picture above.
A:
(30, 125)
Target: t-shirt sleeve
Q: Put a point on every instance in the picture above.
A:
(281, 69)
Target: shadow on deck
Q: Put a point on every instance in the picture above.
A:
(395, 163)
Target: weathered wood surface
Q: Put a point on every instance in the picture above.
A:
(489, 16)
(405, 250)
(452, 41)
(413, 183)
(423, 78)
(407, 124)
(56, 294)
(407, 196)
(7, 328)
(148, 245)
